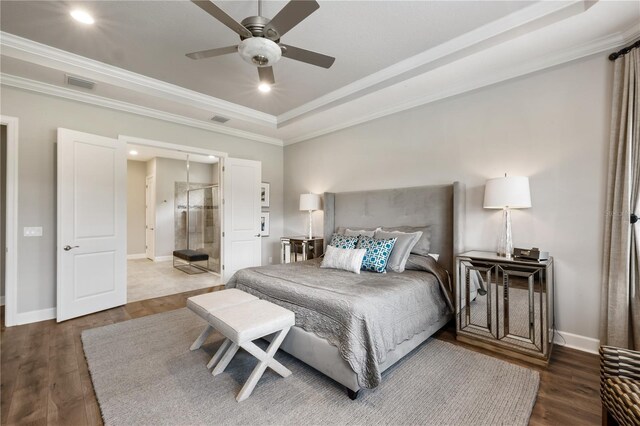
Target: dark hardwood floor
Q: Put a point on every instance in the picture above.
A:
(45, 380)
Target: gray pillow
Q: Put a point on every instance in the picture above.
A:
(423, 245)
(402, 249)
(357, 232)
(350, 232)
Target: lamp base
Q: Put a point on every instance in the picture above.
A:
(310, 224)
(505, 243)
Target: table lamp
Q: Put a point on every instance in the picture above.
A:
(310, 202)
(506, 193)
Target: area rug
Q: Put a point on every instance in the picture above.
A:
(144, 374)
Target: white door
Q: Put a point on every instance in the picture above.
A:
(241, 215)
(92, 223)
(150, 221)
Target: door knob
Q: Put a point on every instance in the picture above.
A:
(257, 235)
(68, 247)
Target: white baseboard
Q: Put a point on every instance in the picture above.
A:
(575, 341)
(35, 316)
(137, 256)
(162, 258)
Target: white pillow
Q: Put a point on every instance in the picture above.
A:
(345, 259)
(357, 232)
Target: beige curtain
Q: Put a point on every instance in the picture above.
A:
(620, 305)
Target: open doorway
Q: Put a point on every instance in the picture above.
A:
(173, 206)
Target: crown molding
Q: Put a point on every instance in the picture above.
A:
(486, 79)
(536, 15)
(32, 51)
(63, 92)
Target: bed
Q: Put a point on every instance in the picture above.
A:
(353, 327)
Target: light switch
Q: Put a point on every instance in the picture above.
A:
(33, 231)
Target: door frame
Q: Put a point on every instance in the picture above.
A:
(11, 225)
(189, 149)
(150, 196)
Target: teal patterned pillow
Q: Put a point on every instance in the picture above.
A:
(343, 242)
(378, 252)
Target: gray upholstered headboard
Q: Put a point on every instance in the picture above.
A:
(439, 206)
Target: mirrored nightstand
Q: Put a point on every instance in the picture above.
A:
(505, 305)
(296, 249)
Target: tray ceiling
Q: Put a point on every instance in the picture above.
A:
(390, 56)
(152, 38)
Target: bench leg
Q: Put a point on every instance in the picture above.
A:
(266, 360)
(219, 353)
(201, 338)
(226, 359)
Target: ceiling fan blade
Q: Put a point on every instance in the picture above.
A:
(212, 52)
(266, 75)
(221, 16)
(302, 55)
(291, 15)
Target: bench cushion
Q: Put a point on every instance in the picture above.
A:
(191, 255)
(202, 304)
(251, 320)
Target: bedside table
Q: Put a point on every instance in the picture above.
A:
(295, 249)
(505, 305)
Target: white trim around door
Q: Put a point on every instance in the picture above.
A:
(187, 149)
(11, 231)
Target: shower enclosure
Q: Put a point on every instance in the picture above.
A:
(197, 218)
(203, 223)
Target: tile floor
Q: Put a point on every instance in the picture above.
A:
(147, 279)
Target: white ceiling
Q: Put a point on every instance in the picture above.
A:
(391, 56)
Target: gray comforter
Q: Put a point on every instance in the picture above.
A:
(365, 316)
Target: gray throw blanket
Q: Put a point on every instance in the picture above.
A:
(365, 316)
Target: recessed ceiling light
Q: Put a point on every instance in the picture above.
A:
(133, 152)
(212, 156)
(264, 88)
(82, 16)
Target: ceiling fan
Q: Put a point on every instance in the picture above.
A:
(260, 38)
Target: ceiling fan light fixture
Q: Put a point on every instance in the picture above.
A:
(264, 87)
(259, 51)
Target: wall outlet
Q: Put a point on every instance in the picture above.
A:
(33, 231)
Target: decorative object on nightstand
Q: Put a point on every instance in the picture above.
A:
(310, 203)
(506, 193)
(294, 249)
(505, 305)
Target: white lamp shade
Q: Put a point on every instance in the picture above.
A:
(309, 202)
(508, 191)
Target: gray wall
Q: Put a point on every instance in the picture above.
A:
(40, 116)
(136, 182)
(551, 126)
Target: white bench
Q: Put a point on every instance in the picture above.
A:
(242, 321)
(203, 304)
